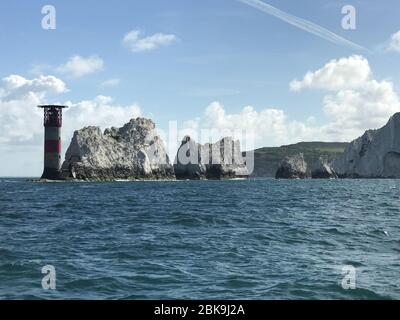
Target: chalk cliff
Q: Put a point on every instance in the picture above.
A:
(376, 154)
(293, 167)
(134, 151)
(221, 160)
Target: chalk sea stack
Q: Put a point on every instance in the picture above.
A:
(189, 161)
(220, 160)
(323, 170)
(293, 167)
(132, 152)
(376, 154)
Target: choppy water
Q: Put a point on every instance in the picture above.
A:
(256, 239)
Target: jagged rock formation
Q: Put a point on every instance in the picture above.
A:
(376, 154)
(322, 170)
(221, 160)
(134, 151)
(189, 161)
(293, 167)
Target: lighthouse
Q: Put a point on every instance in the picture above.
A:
(52, 141)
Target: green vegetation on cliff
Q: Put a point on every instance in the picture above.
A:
(266, 160)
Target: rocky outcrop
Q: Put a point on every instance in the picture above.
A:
(189, 162)
(221, 160)
(134, 151)
(322, 170)
(293, 167)
(376, 154)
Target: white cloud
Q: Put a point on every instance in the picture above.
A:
(15, 86)
(354, 111)
(357, 102)
(22, 122)
(268, 127)
(100, 111)
(78, 66)
(354, 102)
(111, 82)
(135, 43)
(345, 73)
(394, 44)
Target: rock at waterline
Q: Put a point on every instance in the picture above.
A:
(220, 160)
(293, 167)
(322, 170)
(134, 151)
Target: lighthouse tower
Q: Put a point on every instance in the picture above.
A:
(52, 141)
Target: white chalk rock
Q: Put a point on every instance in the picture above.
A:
(134, 151)
(220, 160)
(376, 154)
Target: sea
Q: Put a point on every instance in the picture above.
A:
(238, 239)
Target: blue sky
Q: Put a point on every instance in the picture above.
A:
(223, 52)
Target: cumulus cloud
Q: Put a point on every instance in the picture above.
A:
(15, 86)
(22, 122)
(355, 102)
(268, 127)
(100, 111)
(78, 66)
(394, 44)
(135, 43)
(354, 111)
(345, 73)
(269, 121)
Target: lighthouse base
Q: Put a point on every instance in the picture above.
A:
(52, 174)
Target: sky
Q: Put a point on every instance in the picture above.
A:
(286, 70)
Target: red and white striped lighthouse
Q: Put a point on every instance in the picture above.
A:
(52, 141)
